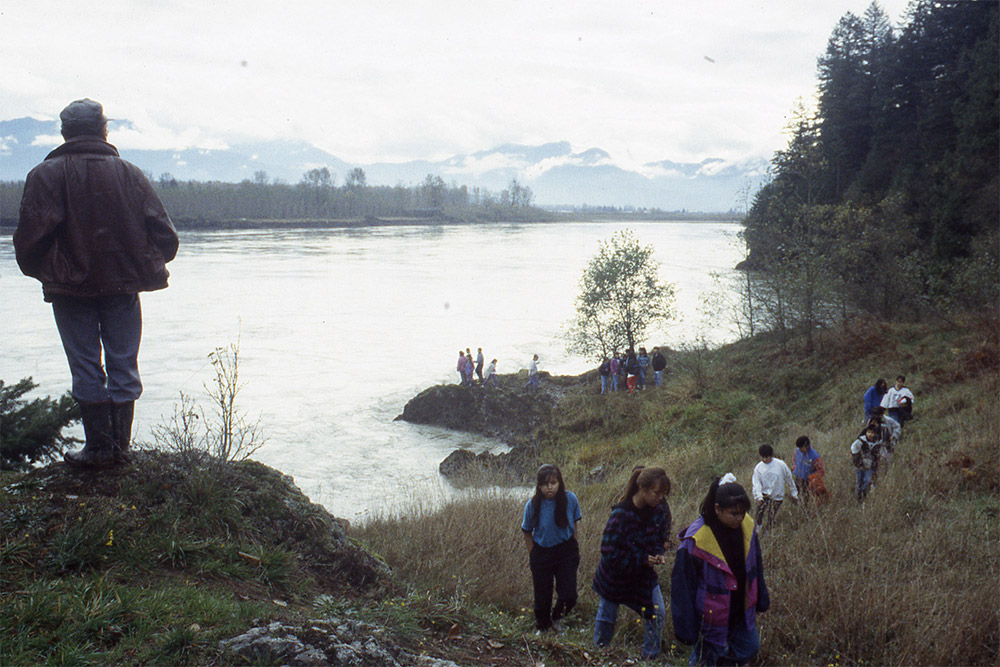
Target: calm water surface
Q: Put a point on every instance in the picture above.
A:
(338, 329)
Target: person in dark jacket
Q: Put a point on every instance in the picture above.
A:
(873, 397)
(659, 365)
(717, 586)
(634, 541)
(95, 234)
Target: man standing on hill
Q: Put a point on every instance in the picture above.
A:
(95, 234)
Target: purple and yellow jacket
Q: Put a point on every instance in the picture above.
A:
(701, 585)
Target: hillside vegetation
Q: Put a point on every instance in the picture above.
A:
(186, 560)
(906, 578)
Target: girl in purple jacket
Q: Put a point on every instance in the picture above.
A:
(717, 586)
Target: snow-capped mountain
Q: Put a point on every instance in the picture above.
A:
(556, 174)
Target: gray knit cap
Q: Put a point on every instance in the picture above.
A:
(82, 117)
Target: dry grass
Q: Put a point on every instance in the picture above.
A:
(908, 578)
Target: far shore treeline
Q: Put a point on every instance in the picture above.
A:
(317, 202)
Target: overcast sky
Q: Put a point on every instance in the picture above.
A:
(376, 81)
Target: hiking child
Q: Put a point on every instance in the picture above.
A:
(549, 530)
(808, 462)
(889, 432)
(873, 397)
(863, 456)
(898, 401)
(717, 585)
(634, 541)
(771, 479)
(491, 374)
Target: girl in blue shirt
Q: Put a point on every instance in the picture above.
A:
(549, 529)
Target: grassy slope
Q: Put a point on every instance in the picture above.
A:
(907, 578)
(144, 565)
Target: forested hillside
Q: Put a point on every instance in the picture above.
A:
(886, 199)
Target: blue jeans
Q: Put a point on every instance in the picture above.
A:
(604, 384)
(614, 383)
(642, 377)
(743, 644)
(864, 479)
(109, 323)
(607, 614)
(532, 381)
(658, 377)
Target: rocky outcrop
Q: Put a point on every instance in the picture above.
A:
(513, 468)
(510, 412)
(329, 641)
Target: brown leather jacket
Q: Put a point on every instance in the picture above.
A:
(91, 224)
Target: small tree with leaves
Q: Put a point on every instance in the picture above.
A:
(31, 431)
(621, 296)
(223, 434)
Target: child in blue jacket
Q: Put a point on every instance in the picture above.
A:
(717, 586)
(549, 529)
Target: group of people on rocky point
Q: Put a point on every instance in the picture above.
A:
(470, 371)
(717, 584)
(631, 371)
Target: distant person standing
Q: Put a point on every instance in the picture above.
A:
(533, 373)
(604, 370)
(898, 401)
(479, 365)
(470, 369)
(659, 365)
(94, 232)
(491, 374)
(873, 397)
(615, 367)
(643, 360)
(460, 367)
(771, 479)
(631, 371)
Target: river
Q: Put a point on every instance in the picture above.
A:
(339, 328)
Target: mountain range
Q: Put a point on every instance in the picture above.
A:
(558, 176)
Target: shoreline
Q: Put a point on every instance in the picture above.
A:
(188, 224)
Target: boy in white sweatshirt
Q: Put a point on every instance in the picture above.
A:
(771, 478)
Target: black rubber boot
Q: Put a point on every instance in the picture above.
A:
(121, 425)
(98, 451)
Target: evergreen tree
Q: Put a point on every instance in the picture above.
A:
(32, 431)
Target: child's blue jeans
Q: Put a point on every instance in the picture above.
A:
(607, 614)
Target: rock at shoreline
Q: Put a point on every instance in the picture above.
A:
(513, 468)
(510, 412)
